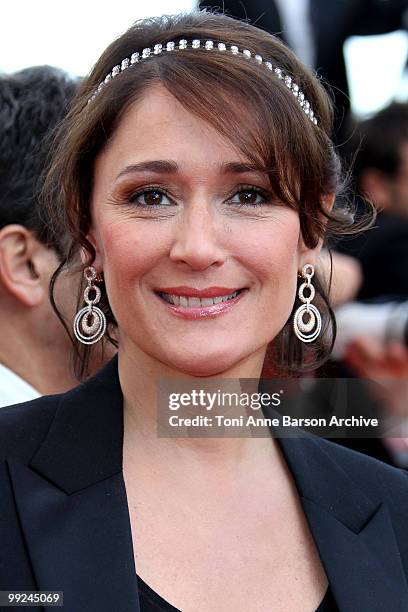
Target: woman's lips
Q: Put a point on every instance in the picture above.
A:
(201, 312)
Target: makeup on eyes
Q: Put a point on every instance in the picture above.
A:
(157, 196)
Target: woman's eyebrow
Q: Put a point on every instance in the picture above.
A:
(163, 166)
(240, 168)
(157, 166)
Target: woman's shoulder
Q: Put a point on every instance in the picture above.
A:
(384, 485)
(377, 479)
(23, 426)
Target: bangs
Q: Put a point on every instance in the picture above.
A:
(249, 107)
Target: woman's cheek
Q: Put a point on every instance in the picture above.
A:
(271, 253)
(128, 246)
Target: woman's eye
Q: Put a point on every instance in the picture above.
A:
(150, 198)
(157, 197)
(250, 197)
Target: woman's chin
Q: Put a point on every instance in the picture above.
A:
(203, 364)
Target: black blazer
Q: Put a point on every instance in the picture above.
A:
(64, 522)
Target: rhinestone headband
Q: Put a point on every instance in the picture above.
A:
(208, 45)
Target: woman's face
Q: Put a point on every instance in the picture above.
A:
(179, 224)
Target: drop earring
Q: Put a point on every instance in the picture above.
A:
(90, 321)
(307, 331)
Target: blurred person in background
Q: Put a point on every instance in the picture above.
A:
(316, 31)
(381, 176)
(35, 350)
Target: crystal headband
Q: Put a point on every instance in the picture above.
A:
(208, 45)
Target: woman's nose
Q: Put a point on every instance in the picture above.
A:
(197, 239)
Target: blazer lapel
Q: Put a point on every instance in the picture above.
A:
(353, 534)
(79, 543)
(72, 502)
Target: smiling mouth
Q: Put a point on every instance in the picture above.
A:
(196, 302)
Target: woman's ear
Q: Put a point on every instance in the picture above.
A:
(85, 255)
(306, 254)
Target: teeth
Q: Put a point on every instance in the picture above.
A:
(207, 301)
(195, 302)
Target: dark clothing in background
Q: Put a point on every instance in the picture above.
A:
(333, 22)
(383, 254)
(359, 403)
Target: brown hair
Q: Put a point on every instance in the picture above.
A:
(245, 102)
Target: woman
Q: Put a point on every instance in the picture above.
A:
(197, 181)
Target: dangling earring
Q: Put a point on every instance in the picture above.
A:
(309, 330)
(90, 321)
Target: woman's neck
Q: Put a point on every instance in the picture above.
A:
(145, 384)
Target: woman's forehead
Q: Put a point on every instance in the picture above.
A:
(159, 127)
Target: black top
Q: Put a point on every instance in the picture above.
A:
(150, 601)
